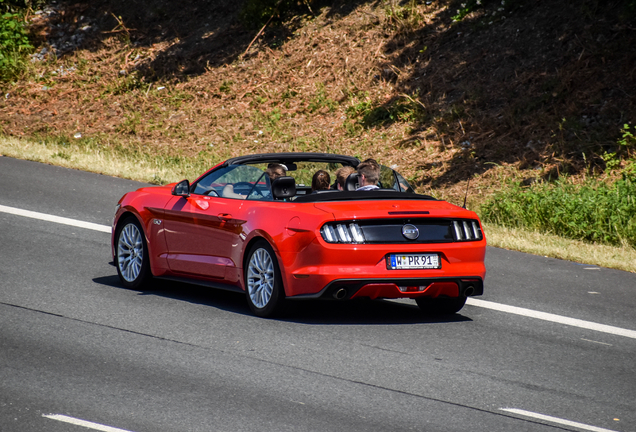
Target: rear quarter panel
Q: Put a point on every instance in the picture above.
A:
(290, 228)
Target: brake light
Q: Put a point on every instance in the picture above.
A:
(467, 230)
(342, 233)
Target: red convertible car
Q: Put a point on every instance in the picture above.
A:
(244, 228)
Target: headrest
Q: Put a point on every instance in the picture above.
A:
(284, 187)
(351, 183)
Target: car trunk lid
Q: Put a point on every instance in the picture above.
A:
(393, 209)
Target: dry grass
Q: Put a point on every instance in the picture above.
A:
(93, 159)
(621, 258)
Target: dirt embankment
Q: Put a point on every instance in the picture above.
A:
(544, 86)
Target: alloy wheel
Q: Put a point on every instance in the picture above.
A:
(130, 252)
(260, 278)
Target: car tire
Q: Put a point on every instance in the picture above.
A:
(131, 254)
(263, 283)
(441, 305)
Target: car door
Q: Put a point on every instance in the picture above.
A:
(202, 229)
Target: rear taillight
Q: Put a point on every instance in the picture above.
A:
(467, 230)
(342, 233)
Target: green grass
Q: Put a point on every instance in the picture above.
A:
(321, 101)
(594, 211)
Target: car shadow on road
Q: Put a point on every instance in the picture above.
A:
(362, 311)
(191, 293)
(313, 312)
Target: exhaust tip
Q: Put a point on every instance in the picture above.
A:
(340, 293)
(469, 291)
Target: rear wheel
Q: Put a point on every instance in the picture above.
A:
(441, 305)
(131, 254)
(263, 283)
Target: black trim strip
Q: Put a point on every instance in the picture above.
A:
(205, 283)
(293, 157)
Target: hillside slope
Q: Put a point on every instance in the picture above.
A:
(543, 86)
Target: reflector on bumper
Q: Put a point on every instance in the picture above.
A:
(412, 288)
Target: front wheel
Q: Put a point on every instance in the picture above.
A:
(441, 305)
(263, 283)
(131, 254)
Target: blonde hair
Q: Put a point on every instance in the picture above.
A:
(343, 173)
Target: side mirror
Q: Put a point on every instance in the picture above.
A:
(182, 189)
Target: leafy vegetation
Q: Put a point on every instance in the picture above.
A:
(14, 42)
(594, 211)
(625, 151)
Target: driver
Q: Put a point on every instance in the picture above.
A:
(275, 170)
(368, 175)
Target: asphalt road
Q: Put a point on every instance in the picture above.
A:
(75, 343)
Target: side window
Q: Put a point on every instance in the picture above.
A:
(390, 179)
(262, 189)
(234, 181)
(387, 178)
(402, 184)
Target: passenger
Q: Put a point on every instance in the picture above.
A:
(368, 175)
(320, 181)
(342, 174)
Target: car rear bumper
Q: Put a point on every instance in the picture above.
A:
(344, 289)
(319, 269)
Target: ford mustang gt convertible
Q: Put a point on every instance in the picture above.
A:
(239, 227)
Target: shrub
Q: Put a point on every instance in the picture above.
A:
(14, 45)
(594, 211)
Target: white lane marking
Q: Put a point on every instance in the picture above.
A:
(56, 219)
(553, 318)
(84, 423)
(555, 420)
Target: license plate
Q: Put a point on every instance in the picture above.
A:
(412, 261)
